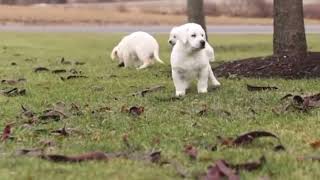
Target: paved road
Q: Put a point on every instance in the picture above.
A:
(228, 29)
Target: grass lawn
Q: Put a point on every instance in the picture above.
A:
(165, 125)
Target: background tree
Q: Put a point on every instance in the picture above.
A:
(289, 33)
(196, 13)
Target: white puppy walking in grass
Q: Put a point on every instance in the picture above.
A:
(138, 49)
(190, 60)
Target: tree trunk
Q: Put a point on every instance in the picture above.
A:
(289, 33)
(195, 12)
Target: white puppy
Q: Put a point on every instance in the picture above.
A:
(138, 49)
(173, 39)
(189, 60)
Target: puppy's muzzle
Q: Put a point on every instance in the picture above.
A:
(171, 42)
(202, 44)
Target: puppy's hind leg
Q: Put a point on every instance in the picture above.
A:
(213, 79)
(146, 61)
(144, 65)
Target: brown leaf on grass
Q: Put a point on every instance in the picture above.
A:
(30, 152)
(305, 103)
(315, 144)
(228, 141)
(219, 170)
(203, 111)
(247, 138)
(260, 88)
(101, 110)
(169, 99)
(61, 131)
(286, 96)
(52, 114)
(6, 132)
(134, 110)
(58, 71)
(79, 63)
(152, 157)
(63, 61)
(14, 92)
(148, 90)
(91, 156)
(74, 71)
(12, 81)
(249, 166)
(155, 156)
(279, 147)
(75, 77)
(191, 151)
(250, 136)
(75, 109)
(41, 69)
(26, 112)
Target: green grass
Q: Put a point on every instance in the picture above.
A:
(161, 120)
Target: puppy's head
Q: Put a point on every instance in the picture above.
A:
(173, 36)
(193, 36)
(114, 53)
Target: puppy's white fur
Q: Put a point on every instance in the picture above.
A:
(189, 60)
(138, 49)
(173, 39)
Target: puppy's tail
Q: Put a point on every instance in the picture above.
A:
(114, 53)
(156, 56)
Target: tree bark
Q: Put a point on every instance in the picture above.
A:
(196, 13)
(289, 32)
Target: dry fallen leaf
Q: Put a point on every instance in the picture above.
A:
(250, 136)
(219, 170)
(315, 144)
(58, 71)
(63, 61)
(148, 90)
(191, 151)
(40, 69)
(136, 111)
(247, 138)
(14, 92)
(97, 156)
(260, 88)
(6, 132)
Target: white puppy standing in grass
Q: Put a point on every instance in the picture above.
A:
(138, 49)
(190, 60)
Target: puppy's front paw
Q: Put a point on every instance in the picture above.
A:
(203, 90)
(180, 93)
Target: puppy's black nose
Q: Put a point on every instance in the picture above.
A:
(171, 42)
(203, 43)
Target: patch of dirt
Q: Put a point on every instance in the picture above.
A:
(273, 66)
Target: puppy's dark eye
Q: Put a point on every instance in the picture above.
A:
(202, 35)
(174, 36)
(193, 35)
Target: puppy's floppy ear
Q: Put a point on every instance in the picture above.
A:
(114, 53)
(182, 35)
